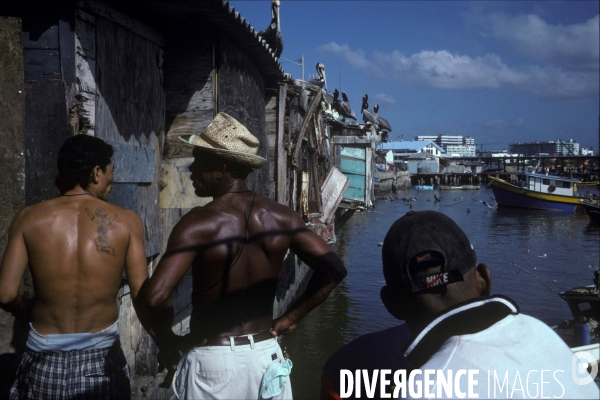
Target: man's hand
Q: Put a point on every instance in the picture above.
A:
(168, 358)
(283, 325)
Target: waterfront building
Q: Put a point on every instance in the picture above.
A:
(460, 150)
(549, 148)
(403, 150)
(453, 145)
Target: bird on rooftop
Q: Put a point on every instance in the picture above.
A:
(383, 123)
(341, 106)
(321, 80)
(347, 105)
(368, 115)
(272, 34)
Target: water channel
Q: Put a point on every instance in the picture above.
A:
(562, 250)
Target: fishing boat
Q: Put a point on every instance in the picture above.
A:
(592, 208)
(538, 191)
(584, 305)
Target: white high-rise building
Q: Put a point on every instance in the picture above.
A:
(454, 145)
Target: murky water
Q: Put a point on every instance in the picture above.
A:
(562, 250)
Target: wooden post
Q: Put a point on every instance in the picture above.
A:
(280, 155)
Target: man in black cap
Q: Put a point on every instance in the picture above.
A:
(433, 284)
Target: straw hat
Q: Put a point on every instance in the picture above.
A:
(229, 139)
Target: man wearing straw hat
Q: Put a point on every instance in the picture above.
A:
(235, 246)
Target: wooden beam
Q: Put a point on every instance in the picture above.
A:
(12, 127)
(281, 156)
(305, 124)
(105, 11)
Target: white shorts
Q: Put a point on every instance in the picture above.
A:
(226, 372)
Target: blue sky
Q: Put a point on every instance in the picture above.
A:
(501, 72)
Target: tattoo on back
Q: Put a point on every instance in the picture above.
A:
(100, 217)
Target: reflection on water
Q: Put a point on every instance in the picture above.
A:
(562, 250)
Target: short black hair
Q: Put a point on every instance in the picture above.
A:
(77, 158)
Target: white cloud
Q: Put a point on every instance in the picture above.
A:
(444, 70)
(573, 46)
(383, 98)
(355, 58)
(441, 69)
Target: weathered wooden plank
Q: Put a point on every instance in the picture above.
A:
(130, 105)
(46, 129)
(271, 131)
(188, 81)
(176, 187)
(105, 11)
(304, 194)
(315, 201)
(85, 72)
(87, 112)
(305, 124)
(182, 295)
(66, 39)
(148, 210)
(332, 192)
(12, 129)
(48, 40)
(124, 195)
(369, 166)
(85, 34)
(281, 156)
(133, 164)
(241, 95)
(41, 64)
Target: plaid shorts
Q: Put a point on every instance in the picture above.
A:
(78, 374)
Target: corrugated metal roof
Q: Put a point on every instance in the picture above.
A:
(220, 15)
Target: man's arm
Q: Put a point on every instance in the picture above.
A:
(136, 267)
(156, 293)
(12, 269)
(328, 271)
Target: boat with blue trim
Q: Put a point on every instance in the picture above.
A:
(538, 191)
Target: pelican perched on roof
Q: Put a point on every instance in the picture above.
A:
(368, 115)
(321, 80)
(342, 107)
(346, 102)
(272, 34)
(383, 123)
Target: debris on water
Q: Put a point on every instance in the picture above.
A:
(380, 244)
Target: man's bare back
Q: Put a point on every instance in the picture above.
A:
(76, 248)
(236, 272)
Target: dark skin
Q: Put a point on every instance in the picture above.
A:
(234, 283)
(419, 309)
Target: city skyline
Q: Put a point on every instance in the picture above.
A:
(501, 72)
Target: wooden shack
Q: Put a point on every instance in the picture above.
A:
(138, 74)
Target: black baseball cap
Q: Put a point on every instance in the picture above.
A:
(420, 240)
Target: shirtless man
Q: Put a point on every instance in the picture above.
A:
(76, 246)
(235, 246)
